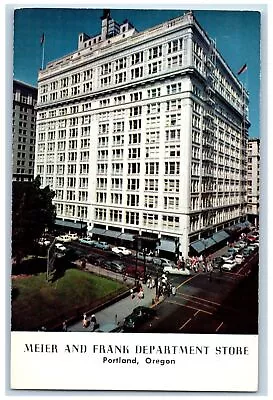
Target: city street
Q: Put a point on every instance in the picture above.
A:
(220, 302)
(225, 304)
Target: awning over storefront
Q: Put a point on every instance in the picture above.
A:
(109, 233)
(127, 236)
(70, 224)
(220, 236)
(166, 245)
(97, 231)
(202, 244)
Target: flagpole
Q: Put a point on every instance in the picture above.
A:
(43, 50)
(43, 53)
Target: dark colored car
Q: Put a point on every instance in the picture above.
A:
(131, 270)
(139, 315)
(218, 262)
(95, 259)
(114, 266)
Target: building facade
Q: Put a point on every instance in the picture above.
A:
(144, 133)
(253, 180)
(23, 130)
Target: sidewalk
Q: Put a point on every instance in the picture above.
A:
(115, 313)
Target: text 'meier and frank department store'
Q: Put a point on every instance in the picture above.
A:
(143, 135)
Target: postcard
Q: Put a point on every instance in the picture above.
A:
(135, 199)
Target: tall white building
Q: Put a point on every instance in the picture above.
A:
(253, 180)
(145, 133)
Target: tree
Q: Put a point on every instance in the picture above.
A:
(32, 212)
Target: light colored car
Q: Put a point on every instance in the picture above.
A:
(239, 258)
(102, 245)
(240, 245)
(121, 250)
(87, 240)
(64, 238)
(60, 246)
(229, 265)
(44, 242)
(141, 256)
(229, 255)
(74, 236)
(169, 269)
(254, 244)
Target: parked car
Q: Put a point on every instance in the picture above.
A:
(121, 251)
(115, 266)
(139, 315)
(173, 270)
(60, 246)
(102, 245)
(254, 244)
(239, 258)
(142, 256)
(134, 270)
(64, 238)
(229, 255)
(95, 259)
(240, 245)
(247, 251)
(74, 236)
(229, 265)
(88, 240)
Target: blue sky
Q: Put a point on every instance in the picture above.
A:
(237, 35)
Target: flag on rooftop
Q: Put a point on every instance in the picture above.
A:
(42, 39)
(243, 69)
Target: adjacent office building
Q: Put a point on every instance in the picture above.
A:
(24, 131)
(145, 134)
(253, 180)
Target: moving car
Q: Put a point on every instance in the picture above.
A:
(64, 238)
(88, 240)
(44, 242)
(217, 262)
(169, 269)
(144, 257)
(229, 265)
(60, 246)
(121, 251)
(139, 315)
(74, 236)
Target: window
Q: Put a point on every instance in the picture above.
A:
(134, 153)
(133, 168)
(155, 52)
(151, 168)
(172, 168)
(155, 67)
(133, 184)
(154, 92)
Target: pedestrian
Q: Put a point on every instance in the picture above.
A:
(132, 293)
(93, 319)
(152, 283)
(148, 282)
(173, 290)
(85, 321)
(64, 326)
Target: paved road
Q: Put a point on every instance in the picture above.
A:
(203, 304)
(228, 303)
